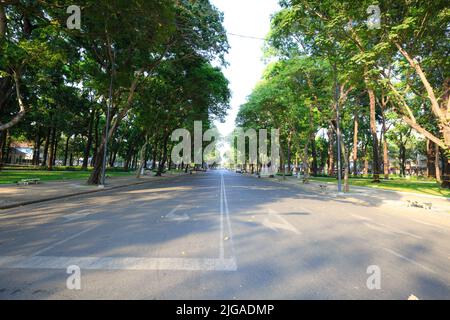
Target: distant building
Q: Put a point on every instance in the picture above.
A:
(20, 153)
(417, 166)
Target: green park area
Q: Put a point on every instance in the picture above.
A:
(396, 183)
(14, 176)
(422, 186)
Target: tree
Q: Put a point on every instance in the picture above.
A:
(403, 65)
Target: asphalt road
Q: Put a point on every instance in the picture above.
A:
(221, 235)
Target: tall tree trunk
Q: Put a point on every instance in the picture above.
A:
(402, 155)
(147, 155)
(322, 164)
(306, 166)
(95, 175)
(87, 149)
(372, 109)
(38, 150)
(46, 146)
(355, 144)
(386, 163)
(282, 167)
(160, 156)
(431, 159)
(8, 146)
(52, 147)
(437, 156)
(446, 172)
(142, 153)
(314, 165)
(96, 172)
(126, 166)
(129, 158)
(373, 132)
(55, 150)
(36, 147)
(33, 160)
(134, 162)
(288, 154)
(3, 139)
(330, 152)
(345, 157)
(96, 138)
(164, 157)
(113, 159)
(366, 160)
(154, 155)
(66, 150)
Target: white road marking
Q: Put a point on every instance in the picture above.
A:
(389, 230)
(428, 224)
(176, 217)
(409, 260)
(400, 231)
(227, 217)
(404, 217)
(361, 217)
(385, 228)
(286, 225)
(78, 215)
(221, 249)
(62, 241)
(378, 228)
(118, 263)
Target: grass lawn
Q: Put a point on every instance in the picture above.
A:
(12, 176)
(398, 184)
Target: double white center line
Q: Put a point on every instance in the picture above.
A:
(224, 215)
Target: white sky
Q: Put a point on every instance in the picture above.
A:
(248, 18)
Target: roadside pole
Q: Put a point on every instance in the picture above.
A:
(108, 112)
(338, 130)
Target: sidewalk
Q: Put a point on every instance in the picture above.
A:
(367, 196)
(12, 195)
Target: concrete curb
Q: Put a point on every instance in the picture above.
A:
(353, 194)
(26, 203)
(406, 193)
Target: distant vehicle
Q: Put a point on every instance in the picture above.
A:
(238, 170)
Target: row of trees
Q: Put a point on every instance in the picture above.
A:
(379, 84)
(153, 58)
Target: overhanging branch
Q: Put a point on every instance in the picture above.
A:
(22, 109)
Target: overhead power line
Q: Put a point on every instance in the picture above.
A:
(246, 37)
